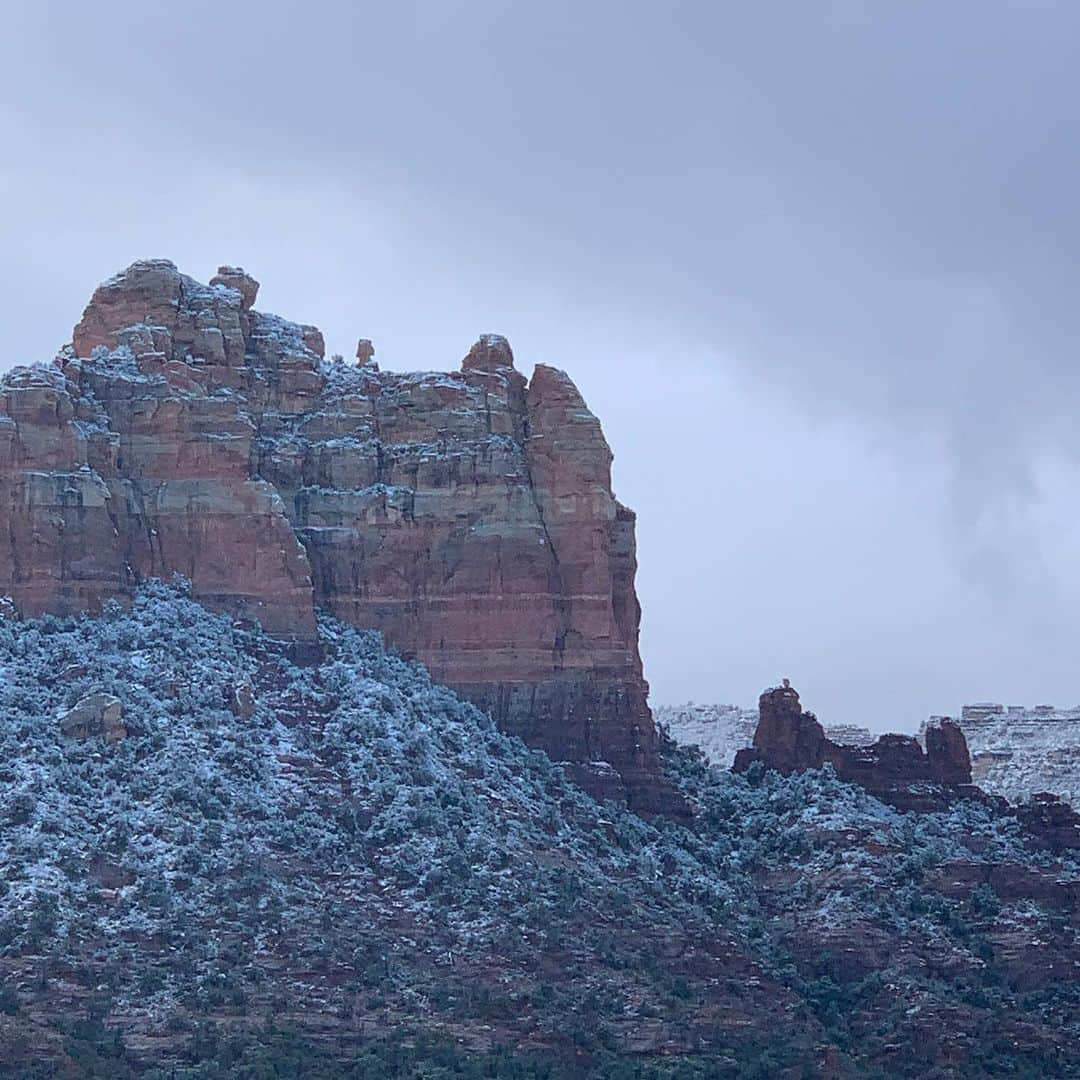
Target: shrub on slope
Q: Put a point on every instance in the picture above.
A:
(354, 851)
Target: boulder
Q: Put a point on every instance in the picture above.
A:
(243, 700)
(95, 716)
(234, 277)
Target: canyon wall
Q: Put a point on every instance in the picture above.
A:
(467, 515)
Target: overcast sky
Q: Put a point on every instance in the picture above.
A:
(816, 266)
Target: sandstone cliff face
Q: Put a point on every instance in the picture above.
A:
(467, 515)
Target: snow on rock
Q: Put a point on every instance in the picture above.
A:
(1018, 751)
(466, 515)
(93, 716)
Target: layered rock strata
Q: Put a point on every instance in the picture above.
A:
(467, 515)
(1018, 751)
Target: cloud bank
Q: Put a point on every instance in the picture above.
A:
(813, 265)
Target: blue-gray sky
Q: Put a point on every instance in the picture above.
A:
(814, 265)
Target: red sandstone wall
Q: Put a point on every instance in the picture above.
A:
(468, 515)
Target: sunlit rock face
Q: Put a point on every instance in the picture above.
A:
(467, 515)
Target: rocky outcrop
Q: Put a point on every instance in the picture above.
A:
(1018, 751)
(95, 716)
(467, 515)
(1051, 821)
(721, 731)
(895, 768)
(131, 456)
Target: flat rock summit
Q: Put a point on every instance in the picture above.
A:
(468, 515)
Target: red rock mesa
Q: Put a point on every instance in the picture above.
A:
(467, 515)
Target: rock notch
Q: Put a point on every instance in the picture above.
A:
(467, 515)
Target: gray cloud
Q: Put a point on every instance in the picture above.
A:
(814, 266)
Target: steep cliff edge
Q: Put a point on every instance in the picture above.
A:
(467, 515)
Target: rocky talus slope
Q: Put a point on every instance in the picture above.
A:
(1018, 751)
(466, 515)
(218, 863)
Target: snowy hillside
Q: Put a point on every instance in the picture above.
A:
(352, 855)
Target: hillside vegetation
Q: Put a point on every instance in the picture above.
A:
(341, 869)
